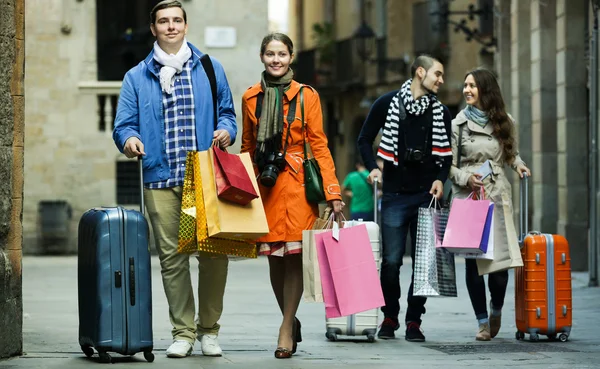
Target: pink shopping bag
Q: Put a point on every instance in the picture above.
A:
(348, 272)
(466, 224)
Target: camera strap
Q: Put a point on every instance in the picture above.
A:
(259, 101)
(258, 109)
(291, 117)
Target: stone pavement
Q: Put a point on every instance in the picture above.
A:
(251, 319)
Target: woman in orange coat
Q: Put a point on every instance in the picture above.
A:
(281, 175)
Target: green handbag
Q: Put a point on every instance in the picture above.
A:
(313, 181)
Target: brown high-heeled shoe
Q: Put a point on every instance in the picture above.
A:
(283, 353)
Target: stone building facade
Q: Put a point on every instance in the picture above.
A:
(72, 96)
(362, 71)
(12, 103)
(544, 62)
(541, 56)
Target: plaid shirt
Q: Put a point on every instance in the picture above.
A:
(180, 127)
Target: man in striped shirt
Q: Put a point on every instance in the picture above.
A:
(415, 148)
(165, 110)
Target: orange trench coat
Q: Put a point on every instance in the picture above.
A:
(288, 212)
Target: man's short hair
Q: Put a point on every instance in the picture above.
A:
(164, 5)
(423, 60)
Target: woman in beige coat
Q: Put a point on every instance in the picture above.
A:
(484, 131)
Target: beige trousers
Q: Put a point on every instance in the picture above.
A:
(164, 208)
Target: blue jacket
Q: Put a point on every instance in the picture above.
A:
(140, 112)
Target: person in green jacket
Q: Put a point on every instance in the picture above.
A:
(360, 192)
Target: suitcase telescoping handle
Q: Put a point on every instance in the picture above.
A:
(142, 204)
(375, 192)
(524, 208)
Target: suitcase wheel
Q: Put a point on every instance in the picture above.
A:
(563, 337)
(534, 337)
(149, 356)
(331, 336)
(371, 338)
(88, 351)
(105, 357)
(519, 335)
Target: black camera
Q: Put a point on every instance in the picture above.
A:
(413, 155)
(275, 163)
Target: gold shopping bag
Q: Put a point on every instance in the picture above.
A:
(226, 219)
(193, 234)
(187, 242)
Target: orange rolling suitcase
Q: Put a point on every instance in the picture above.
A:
(543, 302)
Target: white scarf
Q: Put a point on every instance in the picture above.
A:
(172, 64)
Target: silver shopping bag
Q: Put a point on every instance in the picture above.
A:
(435, 273)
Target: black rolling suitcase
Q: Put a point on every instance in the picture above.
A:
(114, 282)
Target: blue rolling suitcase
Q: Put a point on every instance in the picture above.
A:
(114, 282)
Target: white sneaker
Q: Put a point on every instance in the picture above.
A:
(180, 348)
(210, 345)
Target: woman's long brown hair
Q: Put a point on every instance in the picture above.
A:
(491, 102)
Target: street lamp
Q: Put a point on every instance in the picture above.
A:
(364, 37)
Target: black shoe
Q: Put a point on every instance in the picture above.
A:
(387, 328)
(413, 332)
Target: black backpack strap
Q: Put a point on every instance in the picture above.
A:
(258, 109)
(210, 73)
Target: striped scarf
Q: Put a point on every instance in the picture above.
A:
(440, 144)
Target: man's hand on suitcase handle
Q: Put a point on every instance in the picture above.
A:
(133, 147)
(375, 174)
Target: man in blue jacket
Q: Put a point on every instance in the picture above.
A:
(165, 110)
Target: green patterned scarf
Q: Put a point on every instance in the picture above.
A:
(270, 125)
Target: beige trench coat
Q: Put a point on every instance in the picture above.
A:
(478, 145)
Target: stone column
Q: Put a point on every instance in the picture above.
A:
(572, 127)
(503, 55)
(12, 65)
(520, 87)
(543, 109)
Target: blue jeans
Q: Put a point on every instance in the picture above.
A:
(399, 212)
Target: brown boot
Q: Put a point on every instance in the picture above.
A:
(484, 333)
